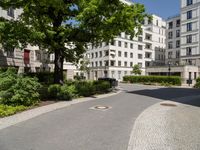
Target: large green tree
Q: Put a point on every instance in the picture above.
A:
(65, 27)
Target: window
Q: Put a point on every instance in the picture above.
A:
(10, 12)
(119, 63)
(131, 64)
(189, 14)
(112, 63)
(119, 43)
(178, 22)
(131, 55)
(96, 64)
(92, 64)
(100, 54)
(125, 63)
(140, 47)
(188, 51)
(195, 75)
(189, 38)
(100, 63)
(10, 52)
(170, 25)
(170, 35)
(140, 65)
(139, 56)
(189, 2)
(169, 55)
(119, 53)
(131, 45)
(96, 54)
(170, 45)
(177, 54)
(189, 26)
(125, 54)
(106, 53)
(113, 42)
(140, 39)
(92, 55)
(126, 45)
(177, 43)
(37, 56)
(177, 33)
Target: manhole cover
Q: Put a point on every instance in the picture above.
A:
(168, 104)
(99, 107)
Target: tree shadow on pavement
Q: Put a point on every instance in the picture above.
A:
(181, 95)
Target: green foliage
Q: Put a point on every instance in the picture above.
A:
(18, 90)
(94, 21)
(198, 79)
(10, 110)
(153, 79)
(137, 70)
(54, 91)
(102, 86)
(43, 77)
(85, 88)
(68, 92)
(197, 85)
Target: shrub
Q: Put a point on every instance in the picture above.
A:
(18, 90)
(54, 91)
(153, 79)
(43, 77)
(67, 92)
(102, 86)
(10, 110)
(198, 79)
(85, 88)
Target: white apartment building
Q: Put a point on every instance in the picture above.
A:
(31, 59)
(116, 59)
(173, 40)
(190, 32)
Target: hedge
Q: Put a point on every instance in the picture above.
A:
(173, 80)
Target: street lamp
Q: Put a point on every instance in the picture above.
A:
(169, 69)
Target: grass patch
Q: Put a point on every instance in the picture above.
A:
(6, 110)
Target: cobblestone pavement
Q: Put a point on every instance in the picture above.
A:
(175, 127)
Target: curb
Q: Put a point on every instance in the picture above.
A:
(29, 114)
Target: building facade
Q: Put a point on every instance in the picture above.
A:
(173, 41)
(190, 32)
(30, 59)
(116, 59)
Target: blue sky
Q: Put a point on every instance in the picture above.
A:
(162, 8)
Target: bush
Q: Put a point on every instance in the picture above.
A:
(102, 86)
(54, 91)
(17, 90)
(67, 92)
(153, 79)
(85, 88)
(10, 110)
(197, 85)
(43, 77)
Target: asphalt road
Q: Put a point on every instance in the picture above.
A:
(80, 128)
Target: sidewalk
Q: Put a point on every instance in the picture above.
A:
(167, 126)
(29, 114)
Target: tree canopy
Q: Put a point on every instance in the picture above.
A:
(65, 27)
(136, 70)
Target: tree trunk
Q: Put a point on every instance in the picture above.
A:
(58, 69)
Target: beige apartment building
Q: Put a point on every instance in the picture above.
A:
(30, 59)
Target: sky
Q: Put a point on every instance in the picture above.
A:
(162, 8)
